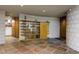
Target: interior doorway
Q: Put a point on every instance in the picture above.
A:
(63, 28)
(10, 26)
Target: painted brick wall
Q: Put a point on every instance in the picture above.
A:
(2, 27)
(73, 28)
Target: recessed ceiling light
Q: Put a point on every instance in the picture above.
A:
(43, 10)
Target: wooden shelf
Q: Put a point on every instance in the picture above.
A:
(30, 31)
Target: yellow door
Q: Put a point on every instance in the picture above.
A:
(43, 30)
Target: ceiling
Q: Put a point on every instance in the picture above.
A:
(49, 10)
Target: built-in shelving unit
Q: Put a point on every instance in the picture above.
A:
(29, 29)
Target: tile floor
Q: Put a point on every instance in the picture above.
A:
(36, 46)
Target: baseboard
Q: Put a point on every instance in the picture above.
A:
(54, 38)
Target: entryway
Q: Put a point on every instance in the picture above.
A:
(11, 30)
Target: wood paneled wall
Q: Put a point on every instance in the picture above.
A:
(15, 27)
(43, 30)
(63, 27)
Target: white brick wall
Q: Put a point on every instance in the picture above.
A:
(54, 28)
(2, 27)
(73, 28)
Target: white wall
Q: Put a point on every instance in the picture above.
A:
(8, 31)
(54, 24)
(2, 27)
(54, 28)
(73, 28)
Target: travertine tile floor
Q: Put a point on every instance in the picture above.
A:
(36, 46)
